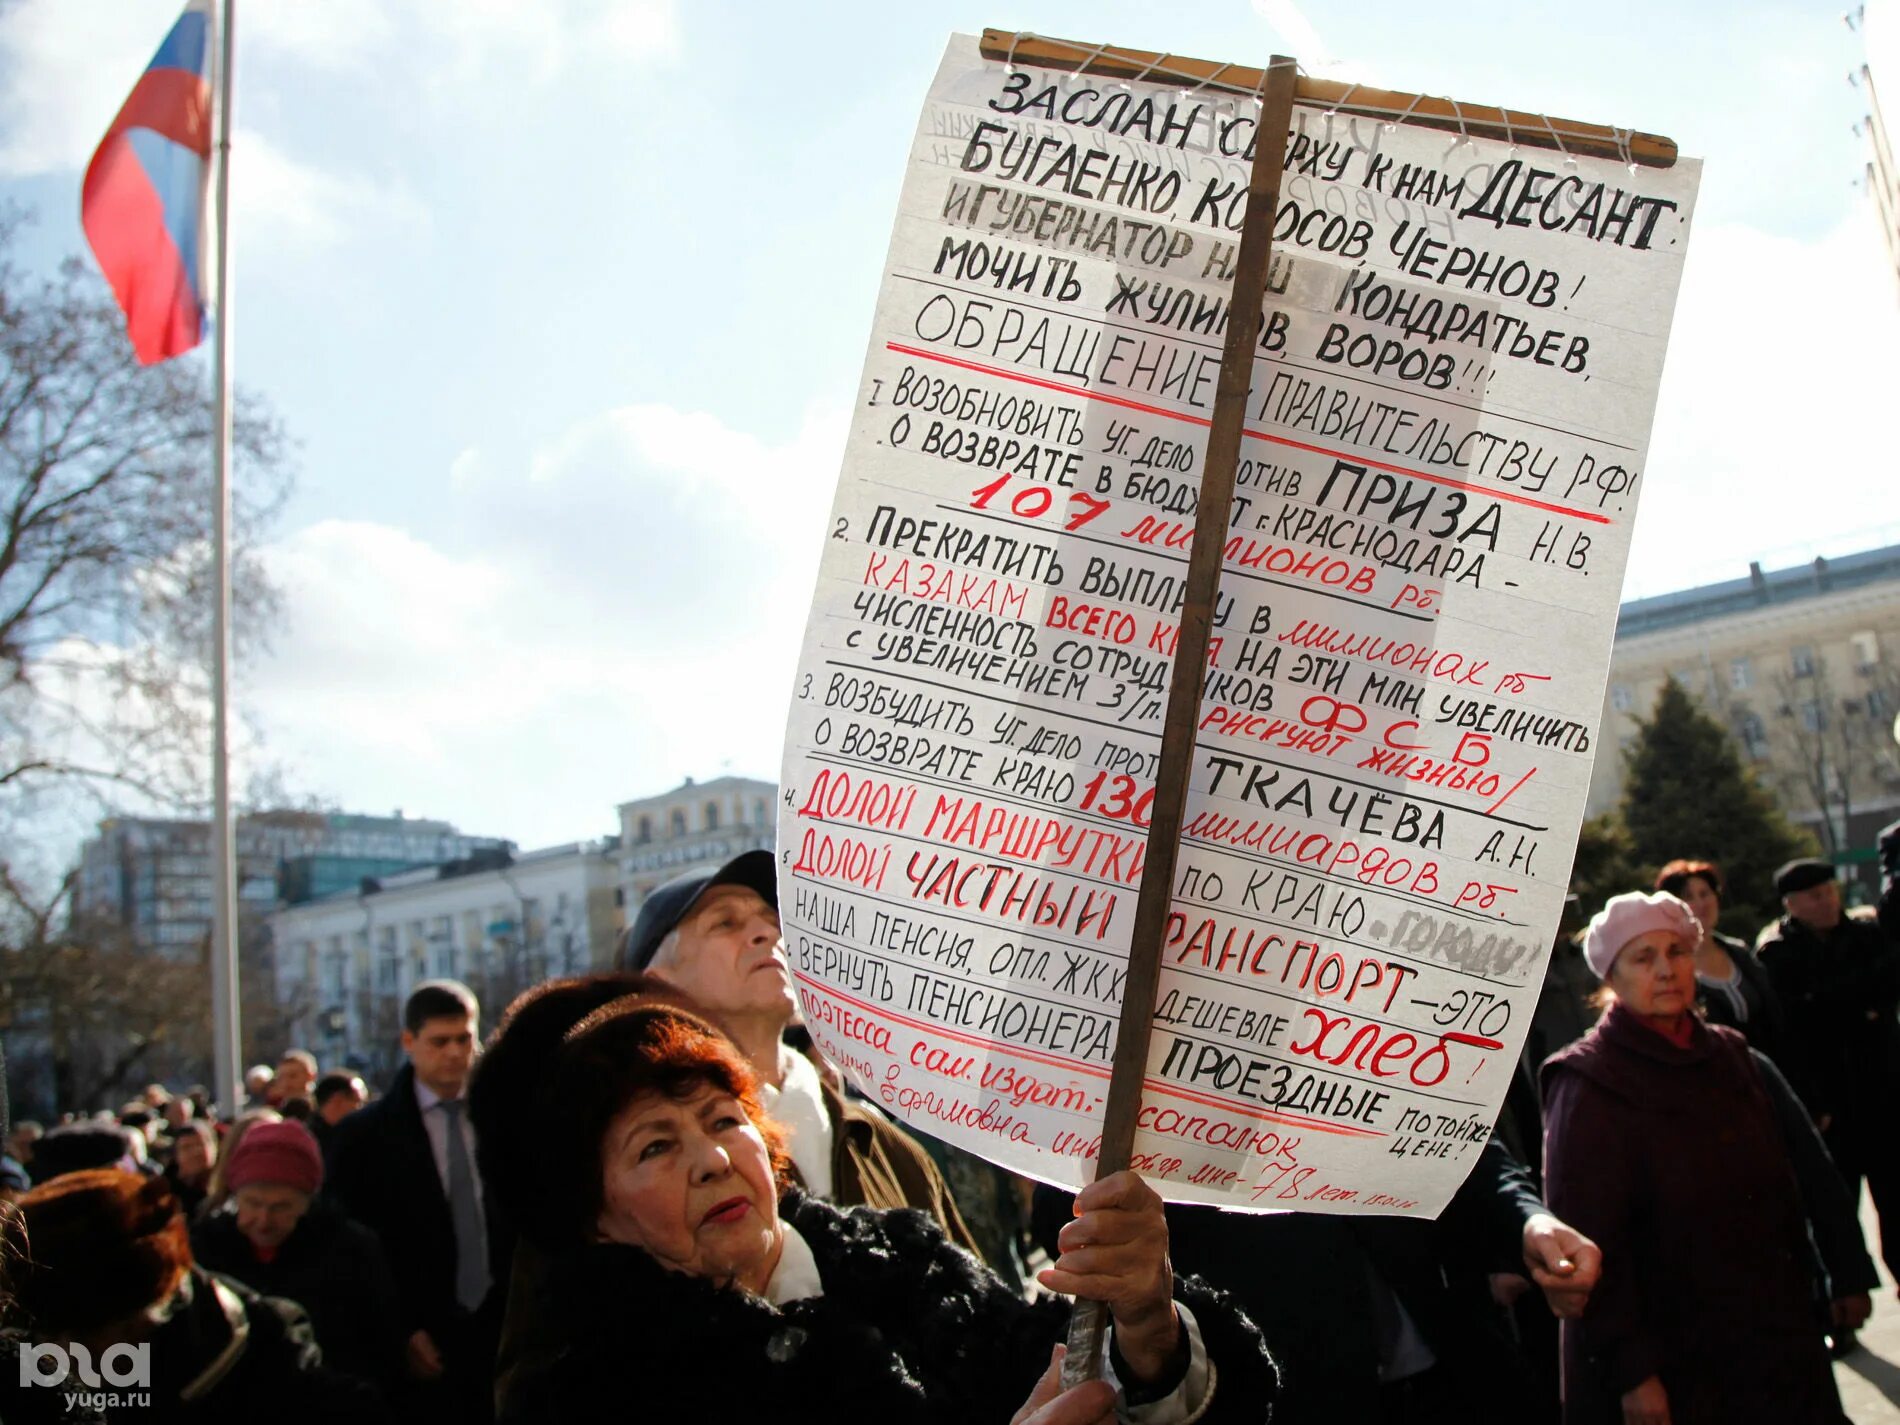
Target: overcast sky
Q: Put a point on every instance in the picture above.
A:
(565, 301)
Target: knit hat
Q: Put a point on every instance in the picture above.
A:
(1625, 917)
(280, 1153)
(1802, 875)
(667, 906)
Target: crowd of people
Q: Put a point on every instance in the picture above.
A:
(648, 1196)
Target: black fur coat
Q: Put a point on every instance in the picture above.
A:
(910, 1329)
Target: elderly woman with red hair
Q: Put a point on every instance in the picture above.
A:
(687, 1280)
(1686, 1157)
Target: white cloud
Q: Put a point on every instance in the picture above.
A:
(473, 41)
(626, 610)
(390, 651)
(322, 34)
(1302, 40)
(1773, 430)
(67, 65)
(65, 68)
(741, 519)
(692, 457)
(647, 30)
(279, 200)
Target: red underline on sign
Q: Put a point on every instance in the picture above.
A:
(1474, 1040)
(1062, 1061)
(1082, 391)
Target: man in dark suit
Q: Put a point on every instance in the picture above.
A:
(405, 1167)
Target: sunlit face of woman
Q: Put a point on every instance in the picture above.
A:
(689, 1181)
(1703, 900)
(1654, 975)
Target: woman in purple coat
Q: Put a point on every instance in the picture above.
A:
(1690, 1162)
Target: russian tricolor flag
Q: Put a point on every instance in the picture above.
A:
(143, 205)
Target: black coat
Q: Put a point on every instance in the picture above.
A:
(224, 1354)
(335, 1270)
(1766, 1028)
(190, 1196)
(909, 1329)
(1840, 993)
(382, 1173)
(321, 1129)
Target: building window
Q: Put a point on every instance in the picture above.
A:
(678, 822)
(646, 829)
(1866, 645)
(1620, 697)
(759, 817)
(1754, 736)
(1813, 716)
(1801, 661)
(712, 816)
(1741, 674)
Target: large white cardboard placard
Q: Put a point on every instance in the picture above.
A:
(1445, 439)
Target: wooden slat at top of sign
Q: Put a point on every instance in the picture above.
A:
(1484, 120)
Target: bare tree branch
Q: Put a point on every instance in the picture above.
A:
(105, 536)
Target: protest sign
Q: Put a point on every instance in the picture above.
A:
(1455, 371)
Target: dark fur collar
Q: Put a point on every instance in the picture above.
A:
(910, 1329)
(901, 1334)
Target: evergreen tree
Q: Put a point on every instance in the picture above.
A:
(1687, 794)
(1605, 863)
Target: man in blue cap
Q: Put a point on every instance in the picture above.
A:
(715, 936)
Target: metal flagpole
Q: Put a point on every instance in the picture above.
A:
(224, 905)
